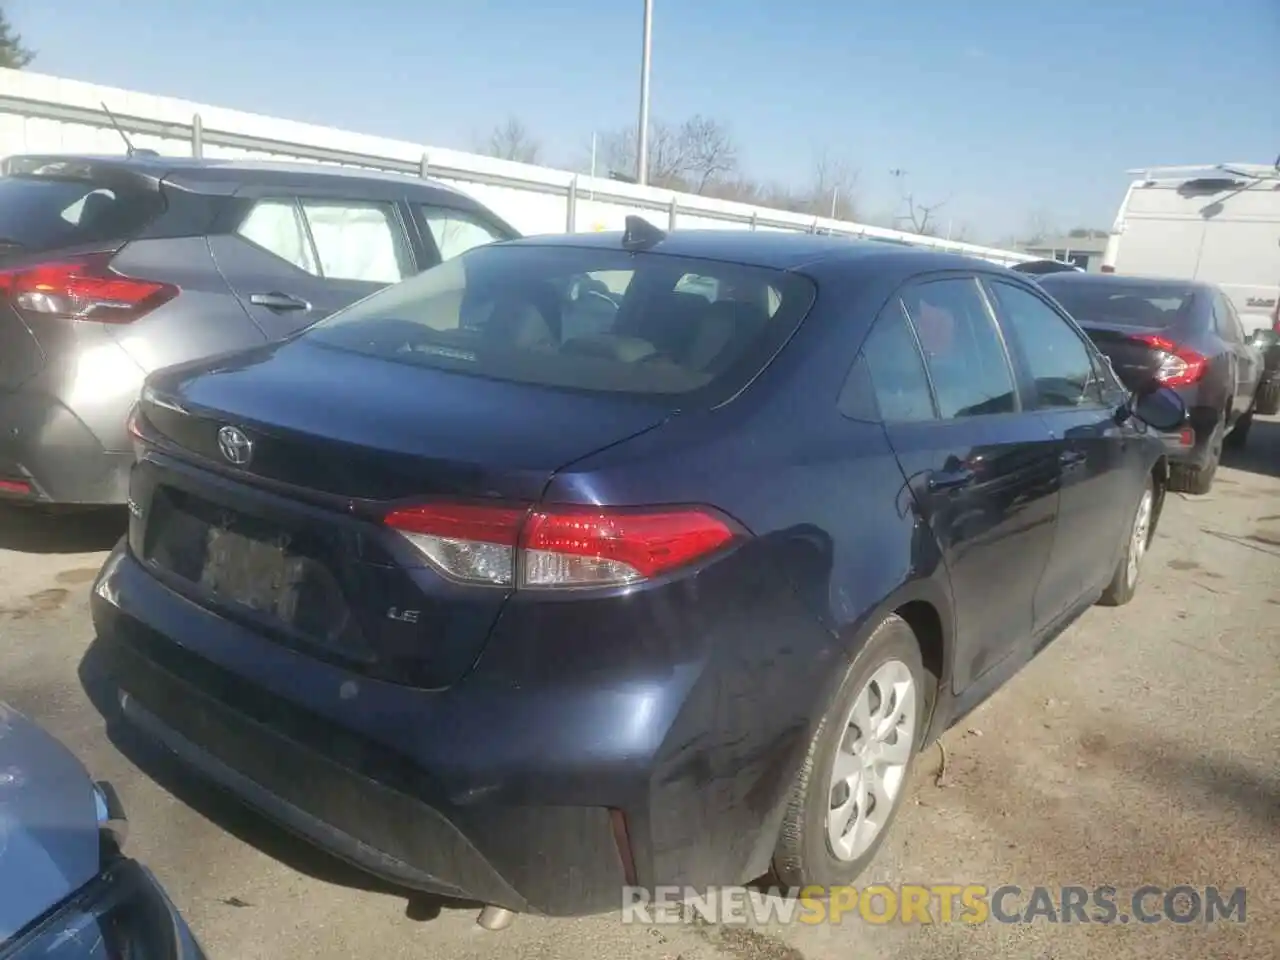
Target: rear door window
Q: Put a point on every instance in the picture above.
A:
(358, 240)
(581, 318)
(40, 213)
(963, 350)
(341, 240)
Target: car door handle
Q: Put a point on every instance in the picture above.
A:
(1071, 458)
(952, 479)
(279, 301)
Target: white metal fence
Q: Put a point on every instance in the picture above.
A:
(44, 114)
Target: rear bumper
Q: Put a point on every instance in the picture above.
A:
(539, 786)
(48, 455)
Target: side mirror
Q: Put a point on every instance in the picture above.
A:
(1159, 408)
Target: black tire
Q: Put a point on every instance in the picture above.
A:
(1124, 581)
(1184, 478)
(803, 855)
(1239, 434)
(1268, 401)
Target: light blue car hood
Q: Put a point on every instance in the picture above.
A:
(49, 845)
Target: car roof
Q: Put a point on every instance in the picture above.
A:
(196, 173)
(773, 249)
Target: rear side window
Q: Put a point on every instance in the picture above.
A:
(897, 370)
(40, 213)
(581, 318)
(963, 350)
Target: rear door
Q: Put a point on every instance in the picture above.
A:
(1100, 469)
(984, 471)
(295, 258)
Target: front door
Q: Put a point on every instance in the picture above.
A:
(1065, 383)
(983, 470)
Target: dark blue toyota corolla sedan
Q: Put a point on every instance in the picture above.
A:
(584, 562)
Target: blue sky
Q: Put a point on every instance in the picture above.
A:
(1003, 109)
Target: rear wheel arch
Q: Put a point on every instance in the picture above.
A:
(925, 605)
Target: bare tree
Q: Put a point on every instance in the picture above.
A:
(512, 141)
(709, 151)
(919, 217)
(697, 155)
(832, 187)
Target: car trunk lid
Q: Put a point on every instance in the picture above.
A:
(1136, 353)
(291, 542)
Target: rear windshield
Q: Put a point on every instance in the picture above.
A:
(1122, 305)
(44, 213)
(582, 318)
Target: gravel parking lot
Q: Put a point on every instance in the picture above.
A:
(1143, 747)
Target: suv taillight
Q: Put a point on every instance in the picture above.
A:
(560, 546)
(1179, 366)
(82, 288)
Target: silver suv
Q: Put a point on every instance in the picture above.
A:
(112, 267)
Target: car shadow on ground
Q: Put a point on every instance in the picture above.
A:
(231, 815)
(1261, 453)
(42, 530)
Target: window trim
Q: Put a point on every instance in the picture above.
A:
(1027, 376)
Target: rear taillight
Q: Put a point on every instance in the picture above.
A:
(83, 288)
(550, 547)
(1179, 366)
(20, 488)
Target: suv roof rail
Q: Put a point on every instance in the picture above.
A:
(1255, 171)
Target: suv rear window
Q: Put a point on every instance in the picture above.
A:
(582, 318)
(40, 213)
(1120, 304)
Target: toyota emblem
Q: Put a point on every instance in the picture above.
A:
(235, 446)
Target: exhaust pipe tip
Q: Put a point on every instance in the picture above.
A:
(495, 918)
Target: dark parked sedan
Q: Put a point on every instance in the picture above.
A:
(1189, 338)
(66, 890)
(584, 562)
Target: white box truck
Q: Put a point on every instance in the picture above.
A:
(1218, 223)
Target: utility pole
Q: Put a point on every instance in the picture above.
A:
(642, 135)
